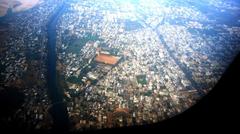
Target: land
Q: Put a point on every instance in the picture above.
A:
(168, 60)
(24, 69)
(117, 63)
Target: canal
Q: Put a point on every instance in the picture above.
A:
(58, 108)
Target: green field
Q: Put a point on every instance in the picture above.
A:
(141, 79)
(76, 44)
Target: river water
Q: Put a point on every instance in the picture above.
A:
(58, 108)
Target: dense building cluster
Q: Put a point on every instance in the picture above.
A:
(119, 63)
(23, 64)
(168, 60)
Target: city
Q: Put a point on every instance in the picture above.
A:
(163, 67)
(117, 63)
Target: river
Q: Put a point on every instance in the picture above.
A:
(58, 108)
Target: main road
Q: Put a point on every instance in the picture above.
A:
(182, 66)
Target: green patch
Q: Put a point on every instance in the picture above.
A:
(109, 89)
(76, 45)
(32, 56)
(148, 93)
(74, 80)
(141, 79)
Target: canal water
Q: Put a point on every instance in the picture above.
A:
(58, 108)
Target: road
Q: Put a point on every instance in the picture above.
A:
(182, 66)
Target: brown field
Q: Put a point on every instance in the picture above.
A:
(107, 59)
(16, 5)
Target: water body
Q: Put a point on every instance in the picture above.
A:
(58, 109)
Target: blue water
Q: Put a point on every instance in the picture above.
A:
(58, 109)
